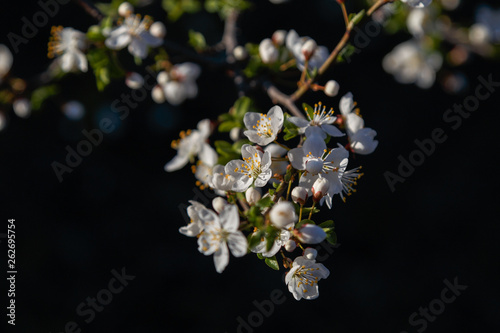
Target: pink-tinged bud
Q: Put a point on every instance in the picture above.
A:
(283, 214)
(252, 195)
(310, 253)
(267, 51)
(300, 195)
(125, 9)
(320, 188)
(310, 234)
(308, 48)
(290, 245)
(134, 80)
(157, 29)
(279, 37)
(219, 204)
(331, 88)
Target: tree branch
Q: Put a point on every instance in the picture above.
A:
(279, 97)
(91, 9)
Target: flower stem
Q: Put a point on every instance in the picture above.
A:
(300, 212)
(346, 17)
(311, 211)
(288, 191)
(281, 145)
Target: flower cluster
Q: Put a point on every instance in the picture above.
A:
(267, 197)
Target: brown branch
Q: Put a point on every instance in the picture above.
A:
(91, 9)
(279, 97)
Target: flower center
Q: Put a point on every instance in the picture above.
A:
(320, 116)
(251, 167)
(306, 277)
(263, 126)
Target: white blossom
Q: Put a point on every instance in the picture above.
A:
(134, 33)
(255, 168)
(252, 195)
(180, 83)
(191, 144)
(409, 63)
(281, 239)
(158, 29)
(332, 88)
(310, 234)
(314, 158)
(303, 277)
(320, 124)
(125, 9)
(316, 55)
(221, 180)
(262, 129)
(68, 44)
(195, 225)
(488, 22)
(300, 195)
(22, 107)
(267, 51)
(220, 234)
(310, 253)
(134, 80)
(361, 140)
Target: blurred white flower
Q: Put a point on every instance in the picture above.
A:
(300, 47)
(134, 80)
(6, 60)
(417, 3)
(488, 19)
(68, 44)
(192, 143)
(282, 215)
(267, 51)
(134, 33)
(22, 107)
(180, 83)
(409, 63)
(158, 29)
(73, 110)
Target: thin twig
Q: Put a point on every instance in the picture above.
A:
(279, 97)
(91, 9)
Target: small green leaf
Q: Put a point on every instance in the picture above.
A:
(265, 202)
(327, 224)
(197, 40)
(224, 147)
(273, 263)
(332, 238)
(255, 238)
(260, 256)
(39, 95)
(227, 126)
(302, 222)
(358, 17)
(308, 109)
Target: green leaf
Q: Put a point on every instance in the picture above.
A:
(332, 238)
(227, 126)
(255, 238)
(176, 8)
(273, 263)
(358, 17)
(197, 40)
(264, 202)
(260, 256)
(302, 222)
(224, 147)
(327, 224)
(39, 95)
(290, 130)
(346, 53)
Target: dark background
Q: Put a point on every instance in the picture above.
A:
(119, 209)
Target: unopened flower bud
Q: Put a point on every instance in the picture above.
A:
(125, 9)
(290, 245)
(219, 204)
(299, 195)
(310, 253)
(310, 234)
(282, 214)
(157, 94)
(163, 77)
(320, 188)
(331, 88)
(267, 51)
(235, 133)
(308, 48)
(279, 37)
(22, 107)
(240, 53)
(252, 195)
(157, 29)
(134, 80)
